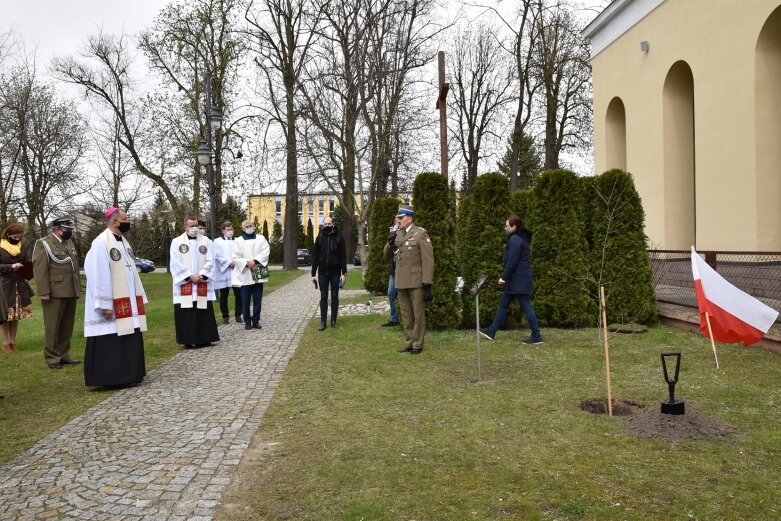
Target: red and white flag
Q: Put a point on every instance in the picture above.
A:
(735, 316)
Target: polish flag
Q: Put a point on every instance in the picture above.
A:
(735, 316)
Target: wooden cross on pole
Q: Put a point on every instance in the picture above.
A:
(442, 106)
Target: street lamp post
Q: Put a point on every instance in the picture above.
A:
(206, 150)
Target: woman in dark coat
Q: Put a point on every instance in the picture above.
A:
(16, 291)
(516, 279)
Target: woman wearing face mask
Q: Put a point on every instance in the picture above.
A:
(16, 291)
(516, 280)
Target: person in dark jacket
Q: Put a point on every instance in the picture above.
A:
(329, 268)
(393, 293)
(516, 279)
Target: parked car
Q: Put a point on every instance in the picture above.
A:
(145, 265)
(303, 257)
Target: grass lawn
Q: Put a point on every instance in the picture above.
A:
(39, 400)
(359, 431)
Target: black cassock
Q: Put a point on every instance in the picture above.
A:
(112, 360)
(195, 326)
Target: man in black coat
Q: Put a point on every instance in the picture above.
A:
(329, 268)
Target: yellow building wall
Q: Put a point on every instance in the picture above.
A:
(264, 208)
(717, 39)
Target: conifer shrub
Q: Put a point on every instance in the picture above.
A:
(375, 278)
(520, 203)
(559, 252)
(619, 257)
(481, 241)
(433, 205)
(275, 255)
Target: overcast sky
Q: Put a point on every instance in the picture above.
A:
(60, 27)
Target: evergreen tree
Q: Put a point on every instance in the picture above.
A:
(265, 229)
(529, 162)
(231, 211)
(276, 244)
(520, 203)
(432, 202)
(481, 241)
(559, 252)
(339, 220)
(309, 243)
(375, 278)
(619, 256)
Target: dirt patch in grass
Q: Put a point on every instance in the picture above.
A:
(620, 407)
(693, 425)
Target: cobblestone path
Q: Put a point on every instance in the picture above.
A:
(164, 450)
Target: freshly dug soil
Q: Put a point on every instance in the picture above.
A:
(620, 407)
(692, 425)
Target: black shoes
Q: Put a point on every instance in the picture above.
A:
(322, 325)
(333, 322)
(247, 326)
(226, 320)
(405, 350)
(70, 361)
(390, 324)
(486, 333)
(533, 341)
(415, 351)
(410, 350)
(55, 365)
(238, 319)
(256, 326)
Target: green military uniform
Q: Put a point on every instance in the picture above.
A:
(414, 268)
(56, 271)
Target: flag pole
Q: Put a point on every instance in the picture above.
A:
(607, 352)
(712, 343)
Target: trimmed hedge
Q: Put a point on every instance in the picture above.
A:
(433, 205)
(375, 278)
(619, 257)
(481, 241)
(560, 252)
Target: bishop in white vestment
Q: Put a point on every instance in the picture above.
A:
(114, 312)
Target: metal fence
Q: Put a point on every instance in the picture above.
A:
(756, 273)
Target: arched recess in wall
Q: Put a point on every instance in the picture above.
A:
(767, 86)
(679, 158)
(615, 135)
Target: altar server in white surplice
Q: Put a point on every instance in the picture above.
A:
(192, 270)
(114, 314)
(250, 256)
(223, 277)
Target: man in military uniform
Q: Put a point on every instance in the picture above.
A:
(411, 246)
(56, 272)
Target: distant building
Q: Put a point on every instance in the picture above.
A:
(687, 97)
(314, 206)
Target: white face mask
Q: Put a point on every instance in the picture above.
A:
(192, 232)
(249, 231)
(228, 234)
(201, 231)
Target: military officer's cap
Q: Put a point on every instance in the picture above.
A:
(405, 209)
(63, 222)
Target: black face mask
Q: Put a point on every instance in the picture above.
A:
(14, 241)
(124, 227)
(67, 234)
(328, 229)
